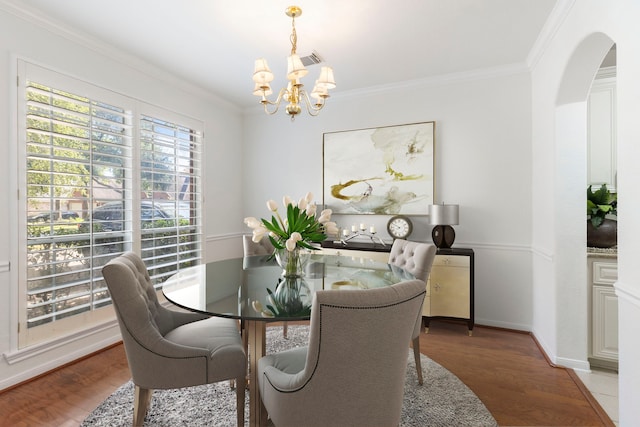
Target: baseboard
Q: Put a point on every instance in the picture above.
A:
(582, 365)
(602, 414)
(611, 365)
(503, 325)
(543, 352)
(55, 364)
(561, 362)
(57, 368)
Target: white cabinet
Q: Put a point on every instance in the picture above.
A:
(601, 163)
(603, 273)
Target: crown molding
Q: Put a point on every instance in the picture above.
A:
(549, 30)
(431, 81)
(554, 21)
(606, 72)
(441, 80)
(125, 59)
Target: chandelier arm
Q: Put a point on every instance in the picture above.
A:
(312, 109)
(264, 101)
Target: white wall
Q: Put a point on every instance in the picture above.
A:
(628, 286)
(72, 55)
(561, 82)
(483, 146)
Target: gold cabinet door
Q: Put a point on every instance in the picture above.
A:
(450, 287)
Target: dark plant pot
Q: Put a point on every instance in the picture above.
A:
(605, 236)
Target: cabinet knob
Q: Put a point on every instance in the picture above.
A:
(447, 261)
(437, 286)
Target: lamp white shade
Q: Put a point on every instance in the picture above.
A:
(443, 214)
(295, 68)
(319, 92)
(326, 78)
(261, 72)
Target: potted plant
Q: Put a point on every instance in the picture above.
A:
(602, 232)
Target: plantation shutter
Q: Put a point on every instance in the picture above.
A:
(78, 154)
(98, 178)
(170, 155)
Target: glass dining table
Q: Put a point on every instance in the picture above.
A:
(254, 291)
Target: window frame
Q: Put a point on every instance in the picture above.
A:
(95, 317)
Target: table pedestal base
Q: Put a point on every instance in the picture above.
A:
(254, 334)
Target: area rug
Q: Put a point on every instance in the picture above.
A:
(443, 400)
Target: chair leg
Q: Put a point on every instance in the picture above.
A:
(141, 401)
(285, 329)
(240, 397)
(416, 356)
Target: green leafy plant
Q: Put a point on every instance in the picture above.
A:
(601, 203)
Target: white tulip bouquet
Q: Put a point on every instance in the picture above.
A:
(290, 236)
(299, 229)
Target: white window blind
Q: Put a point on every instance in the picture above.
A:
(98, 180)
(169, 173)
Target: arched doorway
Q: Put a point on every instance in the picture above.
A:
(570, 169)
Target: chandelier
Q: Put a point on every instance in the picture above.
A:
(294, 93)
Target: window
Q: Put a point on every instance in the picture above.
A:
(169, 169)
(101, 174)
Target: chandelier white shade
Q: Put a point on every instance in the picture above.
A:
(294, 93)
(261, 72)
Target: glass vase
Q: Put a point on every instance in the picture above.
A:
(291, 298)
(293, 262)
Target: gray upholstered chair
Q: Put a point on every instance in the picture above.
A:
(416, 258)
(353, 371)
(251, 248)
(170, 349)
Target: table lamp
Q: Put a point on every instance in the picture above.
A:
(442, 217)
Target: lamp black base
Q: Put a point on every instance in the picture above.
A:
(443, 236)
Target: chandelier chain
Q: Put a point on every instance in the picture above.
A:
(294, 36)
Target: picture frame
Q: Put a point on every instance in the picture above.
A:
(387, 170)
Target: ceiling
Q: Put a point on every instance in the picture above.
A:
(369, 43)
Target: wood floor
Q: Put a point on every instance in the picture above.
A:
(511, 376)
(505, 369)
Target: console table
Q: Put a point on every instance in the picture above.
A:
(374, 251)
(450, 287)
